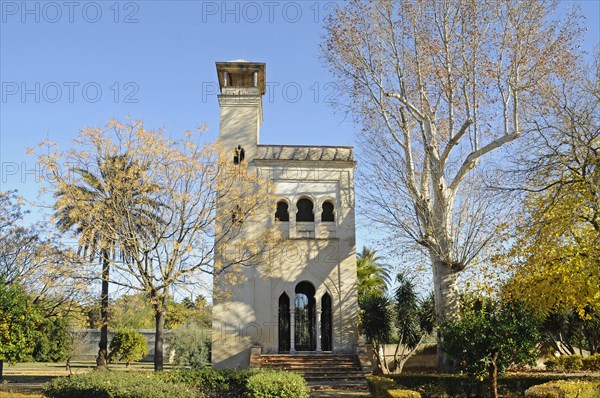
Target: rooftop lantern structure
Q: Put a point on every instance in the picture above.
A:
(241, 77)
(242, 85)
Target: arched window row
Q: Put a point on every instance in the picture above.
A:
(305, 211)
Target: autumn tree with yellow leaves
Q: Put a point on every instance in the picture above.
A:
(554, 255)
(160, 227)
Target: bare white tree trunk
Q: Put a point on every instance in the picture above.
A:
(446, 303)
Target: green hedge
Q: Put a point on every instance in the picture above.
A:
(277, 384)
(448, 385)
(212, 383)
(246, 383)
(402, 394)
(573, 363)
(592, 363)
(202, 383)
(565, 389)
(379, 385)
(383, 387)
(116, 385)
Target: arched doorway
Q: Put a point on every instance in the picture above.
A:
(326, 325)
(304, 318)
(284, 323)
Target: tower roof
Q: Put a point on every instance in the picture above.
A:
(244, 69)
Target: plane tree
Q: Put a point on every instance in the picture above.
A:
(437, 87)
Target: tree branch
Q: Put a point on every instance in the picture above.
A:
(474, 156)
(454, 140)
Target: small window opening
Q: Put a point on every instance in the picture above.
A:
(327, 214)
(305, 211)
(282, 212)
(238, 155)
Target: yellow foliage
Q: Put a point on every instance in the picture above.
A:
(153, 198)
(554, 258)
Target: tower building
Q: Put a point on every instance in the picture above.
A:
(308, 301)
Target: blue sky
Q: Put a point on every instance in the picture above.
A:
(66, 65)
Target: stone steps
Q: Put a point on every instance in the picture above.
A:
(319, 370)
(316, 369)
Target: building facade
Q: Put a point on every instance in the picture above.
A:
(308, 300)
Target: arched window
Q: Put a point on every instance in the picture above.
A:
(238, 155)
(282, 211)
(305, 211)
(284, 323)
(326, 323)
(327, 214)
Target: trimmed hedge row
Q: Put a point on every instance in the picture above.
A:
(402, 394)
(574, 363)
(211, 383)
(202, 383)
(382, 387)
(277, 384)
(449, 385)
(565, 389)
(115, 385)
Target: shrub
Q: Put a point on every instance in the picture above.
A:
(445, 385)
(402, 394)
(128, 345)
(552, 364)
(379, 385)
(383, 387)
(591, 363)
(436, 385)
(491, 336)
(571, 363)
(205, 379)
(240, 383)
(211, 383)
(236, 381)
(277, 384)
(19, 322)
(115, 385)
(191, 345)
(53, 343)
(564, 389)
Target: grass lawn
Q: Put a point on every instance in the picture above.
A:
(27, 378)
(58, 368)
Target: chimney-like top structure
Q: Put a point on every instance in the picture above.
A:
(242, 85)
(241, 77)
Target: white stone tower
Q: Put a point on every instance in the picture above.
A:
(308, 303)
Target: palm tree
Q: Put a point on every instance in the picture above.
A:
(99, 208)
(372, 275)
